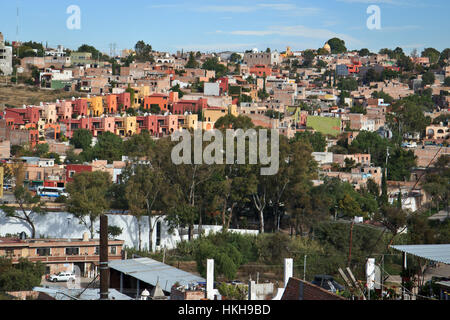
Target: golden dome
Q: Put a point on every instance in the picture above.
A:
(327, 47)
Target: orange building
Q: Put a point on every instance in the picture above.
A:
(161, 100)
(110, 103)
(261, 70)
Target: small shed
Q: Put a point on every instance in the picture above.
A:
(132, 276)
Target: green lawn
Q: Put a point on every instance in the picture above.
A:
(325, 125)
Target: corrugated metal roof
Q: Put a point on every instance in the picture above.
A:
(86, 294)
(434, 252)
(151, 271)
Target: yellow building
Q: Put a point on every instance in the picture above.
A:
(130, 125)
(139, 94)
(191, 122)
(95, 106)
(211, 115)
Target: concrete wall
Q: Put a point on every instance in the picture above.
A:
(65, 225)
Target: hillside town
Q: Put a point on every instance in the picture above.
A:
(358, 209)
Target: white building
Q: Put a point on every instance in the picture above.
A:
(323, 157)
(6, 66)
(212, 89)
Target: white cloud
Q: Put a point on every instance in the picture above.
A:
(287, 8)
(395, 2)
(216, 46)
(235, 9)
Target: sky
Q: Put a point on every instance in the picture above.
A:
(234, 25)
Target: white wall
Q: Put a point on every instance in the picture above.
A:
(212, 89)
(65, 225)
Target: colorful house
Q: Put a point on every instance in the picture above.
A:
(95, 106)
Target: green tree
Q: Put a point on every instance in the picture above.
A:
(235, 58)
(214, 64)
(308, 58)
(143, 52)
(109, 147)
(382, 95)
(317, 140)
(432, 54)
(145, 190)
(130, 90)
(81, 139)
(233, 292)
(41, 149)
(176, 88)
(372, 76)
(348, 84)
(445, 57)
(192, 62)
(23, 276)
(447, 82)
(350, 207)
(364, 52)
(139, 145)
(96, 54)
(428, 78)
(358, 108)
(29, 205)
(88, 197)
(337, 46)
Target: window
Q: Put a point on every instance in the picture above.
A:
(72, 251)
(43, 252)
(97, 250)
(113, 250)
(9, 252)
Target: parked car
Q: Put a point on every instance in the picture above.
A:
(328, 283)
(62, 277)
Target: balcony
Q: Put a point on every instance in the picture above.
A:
(66, 258)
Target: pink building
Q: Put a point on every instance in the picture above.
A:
(23, 116)
(64, 110)
(80, 107)
(123, 101)
(101, 125)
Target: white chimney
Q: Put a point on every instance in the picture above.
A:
(210, 279)
(288, 270)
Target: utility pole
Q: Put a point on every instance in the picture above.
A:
(382, 276)
(387, 158)
(350, 247)
(104, 269)
(304, 268)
